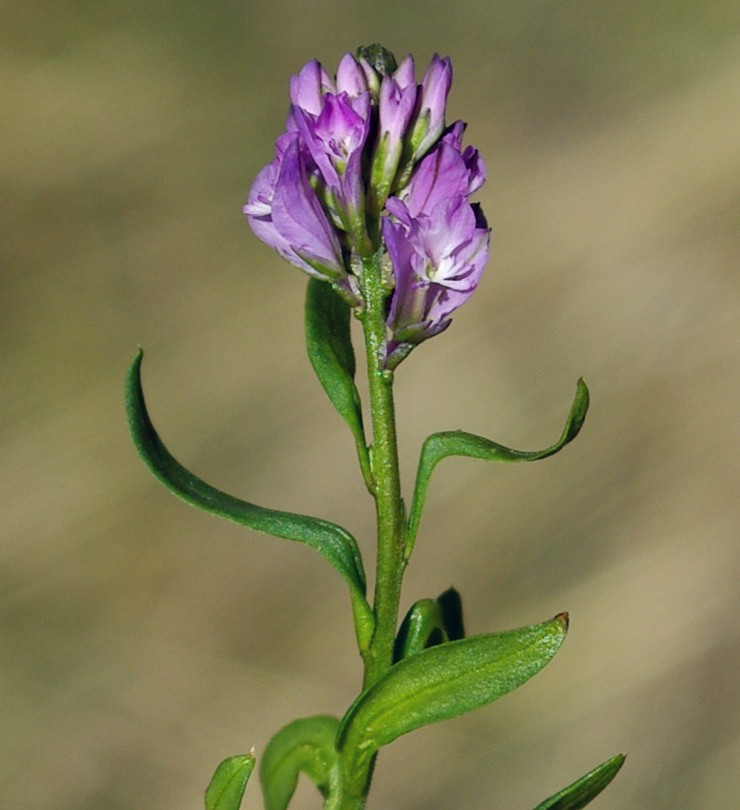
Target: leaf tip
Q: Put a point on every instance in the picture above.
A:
(134, 370)
(226, 788)
(563, 619)
(582, 400)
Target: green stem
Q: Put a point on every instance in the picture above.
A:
(338, 800)
(390, 512)
(389, 508)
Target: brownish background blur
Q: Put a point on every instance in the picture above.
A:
(142, 641)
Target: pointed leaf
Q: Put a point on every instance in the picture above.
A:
(583, 790)
(458, 443)
(227, 786)
(331, 541)
(305, 745)
(430, 622)
(331, 354)
(442, 682)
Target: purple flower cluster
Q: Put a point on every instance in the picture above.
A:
(366, 164)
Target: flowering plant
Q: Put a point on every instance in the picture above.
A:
(369, 194)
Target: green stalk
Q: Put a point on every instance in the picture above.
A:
(339, 800)
(389, 508)
(390, 512)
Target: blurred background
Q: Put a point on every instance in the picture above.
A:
(142, 641)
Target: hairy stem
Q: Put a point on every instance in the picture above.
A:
(390, 512)
(389, 508)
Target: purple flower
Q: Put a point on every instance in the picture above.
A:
(396, 104)
(285, 213)
(367, 166)
(443, 173)
(430, 119)
(307, 88)
(437, 263)
(351, 77)
(437, 243)
(335, 139)
(333, 119)
(474, 163)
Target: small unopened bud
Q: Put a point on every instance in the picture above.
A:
(382, 60)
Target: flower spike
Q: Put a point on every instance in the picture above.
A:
(368, 168)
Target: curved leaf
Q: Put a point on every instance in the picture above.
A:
(331, 354)
(583, 790)
(442, 682)
(305, 745)
(429, 622)
(331, 541)
(458, 443)
(422, 627)
(227, 786)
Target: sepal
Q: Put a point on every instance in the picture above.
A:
(584, 790)
(439, 683)
(458, 443)
(226, 788)
(303, 746)
(333, 542)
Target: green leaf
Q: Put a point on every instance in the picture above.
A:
(422, 627)
(330, 351)
(305, 745)
(458, 443)
(227, 786)
(442, 682)
(430, 622)
(585, 789)
(331, 541)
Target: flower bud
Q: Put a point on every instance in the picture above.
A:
(395, 108)
(430, 120)
(377, 57)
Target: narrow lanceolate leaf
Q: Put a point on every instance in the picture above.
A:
(227, 787)
(303, 746)
(333, 542)
(331, 354)
(583, 790)
(458, 443)
(430, 622)
(442, 682)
